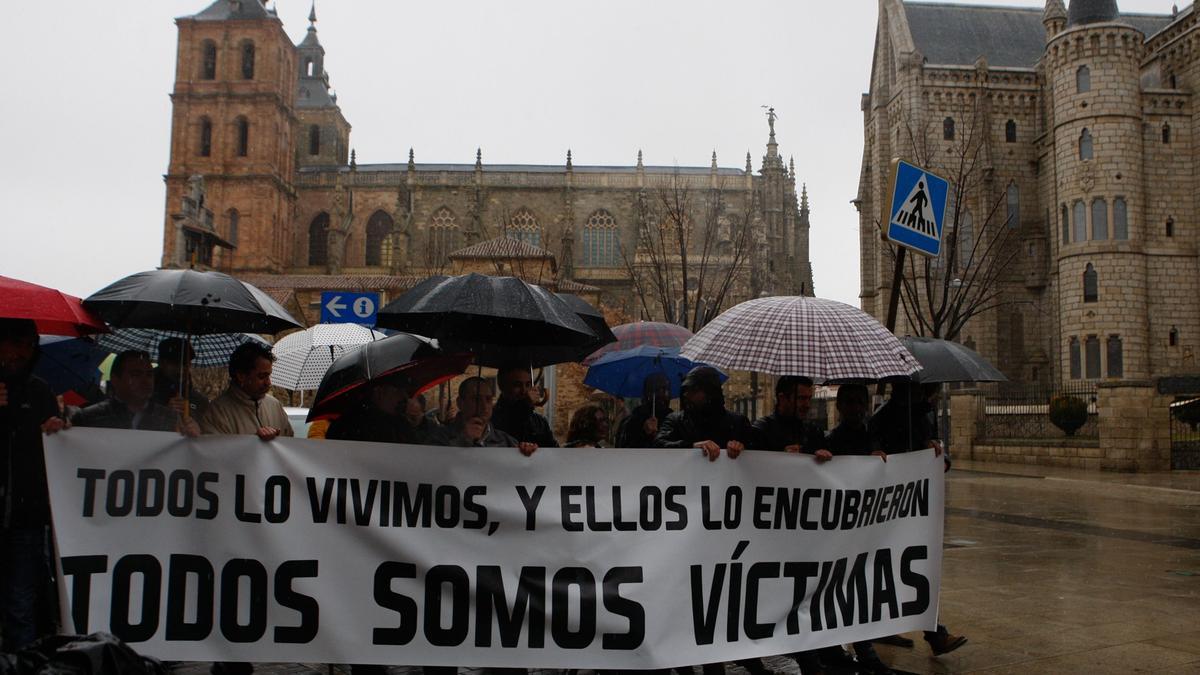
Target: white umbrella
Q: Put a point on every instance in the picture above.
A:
(796, 335)
(302, 358)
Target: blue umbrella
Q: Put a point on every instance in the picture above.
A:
(622, 372)
(70, 363)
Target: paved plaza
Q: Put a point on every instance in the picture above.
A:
(1052, 571)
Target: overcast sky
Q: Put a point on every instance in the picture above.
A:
(86, 115)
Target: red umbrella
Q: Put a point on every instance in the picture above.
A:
(642, 333)
(55, 312)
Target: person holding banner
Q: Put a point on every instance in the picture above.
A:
(704, 423)
(168, 376)
(787, 429)
(28, 409)
(514, 413)
(472, 427)
(641, 426)
(131, 404)
(246, 406)
(905, 424)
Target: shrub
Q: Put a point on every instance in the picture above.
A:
(1068, 413)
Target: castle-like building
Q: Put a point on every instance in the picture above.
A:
(263, 183)
(1079, 131)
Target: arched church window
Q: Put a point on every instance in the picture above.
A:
(1066, 225)
(600, 244)
(1170, 227)
(242, 128)
(208, 60)
(1083, 79)
(1099, 219)
(1085, 144)
(948, 129)
(523, 226)
(205, 137)
(379, 226)
(1010, 132)
(318, 240)
(1166, 133)
(443, 234)
(247, 60)
(1173, 337)
(1091, 284)
(1079, 222)
(314, 140)
(1120, 219)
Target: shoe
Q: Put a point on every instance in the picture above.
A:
(944, 642)
(895, 641)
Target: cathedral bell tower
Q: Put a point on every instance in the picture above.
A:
(232, 124)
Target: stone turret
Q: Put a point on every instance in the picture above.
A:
(1054, 18)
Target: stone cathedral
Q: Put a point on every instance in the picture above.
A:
(263, 183)
(1087, 140)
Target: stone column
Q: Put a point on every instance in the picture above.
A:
(1135, 426)
(965, 413)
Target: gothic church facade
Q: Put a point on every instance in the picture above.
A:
(263, 183)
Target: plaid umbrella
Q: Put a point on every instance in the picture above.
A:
(795, 335)
(642, 333)
(211, 350)
(302, 358)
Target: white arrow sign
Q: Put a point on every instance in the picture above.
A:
(335, 306)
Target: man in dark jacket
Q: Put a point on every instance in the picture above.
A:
(514, 413)
(472, 426)
(27, 410)
(787, 429)
(378, 418)
(704, 422)
(904, 424)
(640, 427)
(130, 406)
(168, 377)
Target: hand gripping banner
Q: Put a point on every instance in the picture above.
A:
(229, 548)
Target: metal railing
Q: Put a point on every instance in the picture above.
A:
(1022, 410)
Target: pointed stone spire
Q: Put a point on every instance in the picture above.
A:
(479, 159)
(749, 166)
(312, 16)
(412, 165)
(804, 200)
(640, 166)
(570, 166)
(792, 167)
(713, 166)
(772, 160)
(353, 160)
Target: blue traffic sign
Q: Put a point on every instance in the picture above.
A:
(917, 209)
(341, 307)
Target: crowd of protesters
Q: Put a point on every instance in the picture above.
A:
(499, 413)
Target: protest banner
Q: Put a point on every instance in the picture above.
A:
(229, 548)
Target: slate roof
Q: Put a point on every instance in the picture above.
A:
(271, 283)
(572, 286)
(223, 10)
(537, 168)
(502, 247)
(1008, 37)
(318, 94)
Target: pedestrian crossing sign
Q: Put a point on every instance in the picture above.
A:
(917, 209)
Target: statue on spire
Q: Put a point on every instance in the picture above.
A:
(771, 117)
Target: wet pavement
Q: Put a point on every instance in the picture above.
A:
(1048, 571)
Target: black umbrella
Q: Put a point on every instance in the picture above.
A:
(498, 319)
(189, 301)
(945, 361)
(411, 362)
(592, 317)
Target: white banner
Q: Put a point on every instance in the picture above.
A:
(229, 548)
